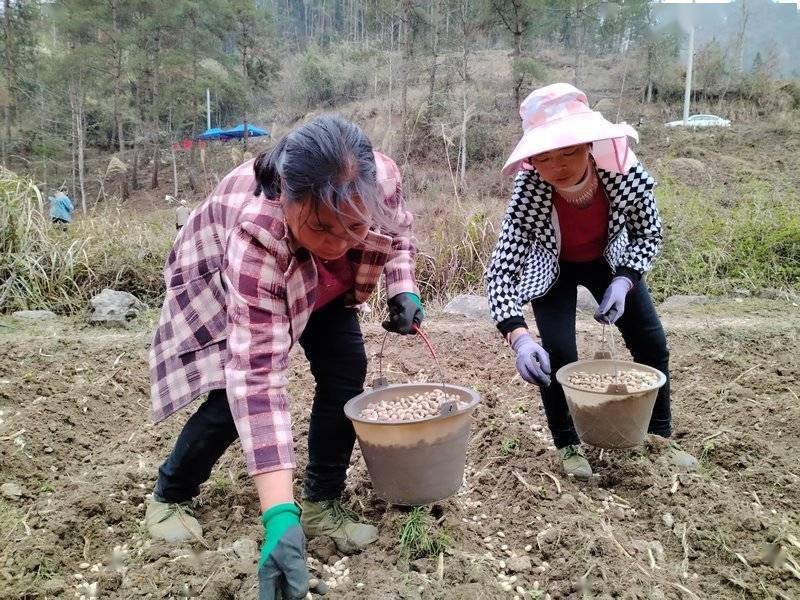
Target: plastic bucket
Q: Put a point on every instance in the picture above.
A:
(414, 462)
(610, 419)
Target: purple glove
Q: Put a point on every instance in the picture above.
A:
(533, 363)
(613, 303)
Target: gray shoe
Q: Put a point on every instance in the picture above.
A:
(172, 522)
(330, 518)
(574, 462)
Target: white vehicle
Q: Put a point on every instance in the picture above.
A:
(701, 121)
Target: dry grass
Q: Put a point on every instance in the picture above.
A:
(713, 244)
(42, 266)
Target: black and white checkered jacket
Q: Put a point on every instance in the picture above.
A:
(524, 264)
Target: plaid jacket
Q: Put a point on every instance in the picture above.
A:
(239, 294)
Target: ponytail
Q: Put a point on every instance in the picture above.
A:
(267, 170)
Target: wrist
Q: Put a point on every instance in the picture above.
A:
(415, 298)
(623, 280)
(518, 337)
(631, 274)
(508, 325)
(288, 511)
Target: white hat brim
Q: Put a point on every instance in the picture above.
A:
(573, 130)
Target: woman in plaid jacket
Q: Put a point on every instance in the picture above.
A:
(582, 213)
(280, 253)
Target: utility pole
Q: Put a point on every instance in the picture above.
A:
(687, 95)
(208, 108)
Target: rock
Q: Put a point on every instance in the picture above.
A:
(668, 520)
(468, 305)
(34, 315)
(421, 565)
(115, 309)
(682, 301)
(586, 302)
(323, 548)
(12, 491)
(519, 564)
(246, 549)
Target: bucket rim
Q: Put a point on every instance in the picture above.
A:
(561, 376)
(474, 400)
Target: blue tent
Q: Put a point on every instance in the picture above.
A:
(232, 133)
(237, 132)
(214, 133)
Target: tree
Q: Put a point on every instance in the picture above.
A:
(253, 26)
(662, 50)
(408, 18)
(20, 20)
(515, 16)
(467, 18)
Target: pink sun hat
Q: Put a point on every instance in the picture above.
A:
(557, 116)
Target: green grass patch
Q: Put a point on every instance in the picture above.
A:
(420, 537)
(509, 445)
(717, 240)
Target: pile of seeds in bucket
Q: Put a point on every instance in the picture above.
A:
(411, 408)
(598, 382)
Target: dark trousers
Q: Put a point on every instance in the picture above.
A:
(334, 346)
(640, 327)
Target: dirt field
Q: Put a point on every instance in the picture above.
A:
(75, 437)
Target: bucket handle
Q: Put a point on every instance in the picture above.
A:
(381, 380)
(608, 351)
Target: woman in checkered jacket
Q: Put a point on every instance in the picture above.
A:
(582, 213)
(281, 253)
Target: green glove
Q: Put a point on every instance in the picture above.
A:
(282, 570)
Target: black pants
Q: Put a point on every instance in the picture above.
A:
(640, 326)
(334, 346)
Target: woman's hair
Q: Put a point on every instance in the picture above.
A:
(328, 162)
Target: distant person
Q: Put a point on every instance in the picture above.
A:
(61, 208)
(280, 254)
(181, 215)
(582, 213)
